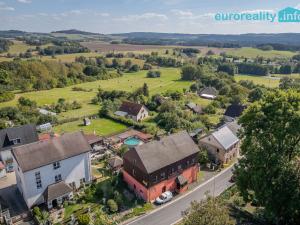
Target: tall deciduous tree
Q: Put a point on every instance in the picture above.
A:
(269, 171)
(207, 212)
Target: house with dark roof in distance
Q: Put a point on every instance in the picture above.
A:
(208, 93)
(49, 171)
(12, 137)
(233, 111)
(194, 107)
(222, 145)
(169, 164)
(135, 111)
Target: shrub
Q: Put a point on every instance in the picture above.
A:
(83, 219)
(6, 96)
(37, 212)
(112, 205)
(153, 74)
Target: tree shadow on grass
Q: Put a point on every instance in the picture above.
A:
(243, 217)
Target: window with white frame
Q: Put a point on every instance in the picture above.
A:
(56, 165)
(58, 178)
(16, 141)
(38, 180)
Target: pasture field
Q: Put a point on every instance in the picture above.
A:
(98, 126)
(254, 52)
(19, 47)
(268, 81)
(169, 80)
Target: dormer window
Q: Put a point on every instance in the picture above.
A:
(56, 165)
(16, 141)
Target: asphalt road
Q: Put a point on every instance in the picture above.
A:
(171, 213)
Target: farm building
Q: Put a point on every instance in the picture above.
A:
(169, 164)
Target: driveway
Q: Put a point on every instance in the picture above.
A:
(9, 192)
(171, 213)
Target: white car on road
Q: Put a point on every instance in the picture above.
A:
(164, 197)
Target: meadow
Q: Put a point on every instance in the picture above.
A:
(267, 81)
(271, 81)
(254, 52)
(98, 126)
(169, 80)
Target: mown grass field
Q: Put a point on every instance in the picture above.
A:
(268, 81)
(169, 80)
(254, 52)
(101, 127)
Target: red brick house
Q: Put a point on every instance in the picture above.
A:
(169, 164)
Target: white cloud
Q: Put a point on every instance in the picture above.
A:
(178, 12)
(145, 16)
(24, 1)
(258, 11)
(101, 14)
(6, 8)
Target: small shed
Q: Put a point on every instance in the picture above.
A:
(86, 121)
(115, 163)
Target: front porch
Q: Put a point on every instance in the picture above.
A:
(57, 193)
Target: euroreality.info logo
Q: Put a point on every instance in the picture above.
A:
(287, 15)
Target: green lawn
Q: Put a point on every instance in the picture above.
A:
(169, 80)
(18, 47)
(261, 80)
(99, 126)
(254, 52)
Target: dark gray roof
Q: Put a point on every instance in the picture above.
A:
(225, 137)
(57, 190)
(159, 154)
(234, 110)
(41, 153)
(27, 134)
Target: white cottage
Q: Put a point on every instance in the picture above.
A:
(133, 110)
(48, 171)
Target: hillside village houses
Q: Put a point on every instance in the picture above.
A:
(48, 171)
(135, 111)
(12, 137)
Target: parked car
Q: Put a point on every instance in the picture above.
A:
(164, 197)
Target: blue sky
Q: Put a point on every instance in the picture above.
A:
(116, 16)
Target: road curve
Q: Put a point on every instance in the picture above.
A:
(171, 213)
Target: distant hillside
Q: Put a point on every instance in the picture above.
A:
(74, 31)
(216, 40)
